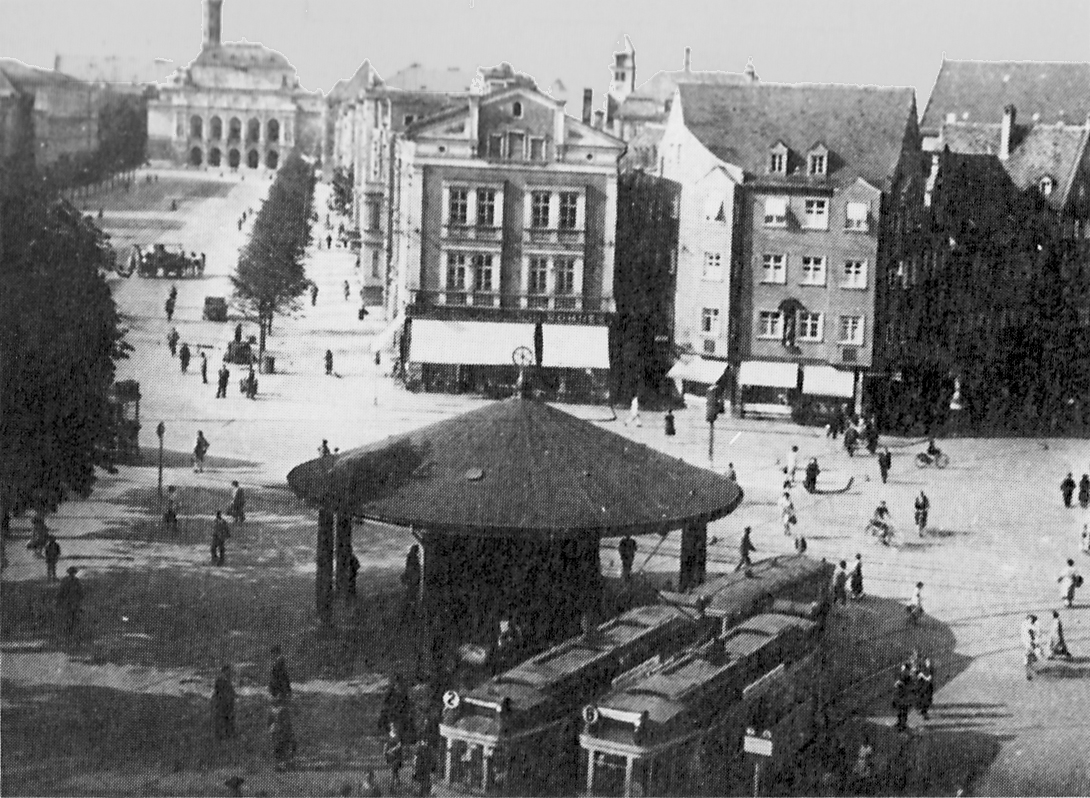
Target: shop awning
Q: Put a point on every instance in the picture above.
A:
(827, 381)
(468, 343)
(769, 373)
(699, 370)
(575, 346)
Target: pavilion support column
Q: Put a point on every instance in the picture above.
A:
(694, 555)
(343, 551)
(323, 578)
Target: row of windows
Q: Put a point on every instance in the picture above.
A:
(467, 270)
(516, 145)
(540, 208)
(817, 161)
(809, 326)
(816, 214)
(234, 129)
(813, 269)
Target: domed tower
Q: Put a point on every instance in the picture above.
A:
(213, 12)
(623, 81)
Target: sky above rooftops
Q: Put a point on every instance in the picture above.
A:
(847, 41)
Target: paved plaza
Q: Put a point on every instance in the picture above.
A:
(999, 532)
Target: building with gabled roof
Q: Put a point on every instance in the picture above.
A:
(978, 91)
(785, 195)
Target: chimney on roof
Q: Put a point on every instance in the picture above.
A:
(599, 119)
(688, 59)
(588, 102)
(1006, 133)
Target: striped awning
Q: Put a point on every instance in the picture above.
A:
(769, 373)
(468, 343)
(827, 381)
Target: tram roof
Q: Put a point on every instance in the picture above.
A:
(517, 468)
(735, 594)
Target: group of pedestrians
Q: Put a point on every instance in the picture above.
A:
(1036, 648)
(848, 584)
(913, 689)
(402, 743)
(1067, 490)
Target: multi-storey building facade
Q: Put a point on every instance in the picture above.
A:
(789, 190)
(237, 105)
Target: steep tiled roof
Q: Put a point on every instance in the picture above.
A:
(649, 100)
(977, 91)
(862, 126)
(419, 78)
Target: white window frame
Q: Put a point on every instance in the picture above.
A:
(813, 218)
(813, 270)
(481, 193)
(709, 323)
(777, 163)
(561, 266)
(537, 269)
(713, 267)
(511, 154)
(457, 265)
(817, 164)
(770, 325)
(573, 207)
(775, 211)
(501, 141)
(807, 320)
(483, 264)
(540, 140)
(464, 205)
(854, 274)
(548, 209)
(773, 271)
(855, 332)
(856, 216)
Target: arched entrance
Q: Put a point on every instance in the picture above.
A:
(272, 159)
(195, 156)
(272, 130)
(234, 129)
(233, 158)
(214, 157)
(253, 160)
(196, 127)
(253, 130)
(215, 128)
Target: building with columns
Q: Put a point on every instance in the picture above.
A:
(236, 105)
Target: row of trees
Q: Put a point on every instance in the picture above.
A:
(270, 277)
(60, 338)
(122, 145)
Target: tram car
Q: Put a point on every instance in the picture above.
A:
(518, 733)
(167, 263)
(676, 727)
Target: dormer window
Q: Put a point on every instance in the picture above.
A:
(1046, 185)
(516, 110)
(816, 163)
(777, 159)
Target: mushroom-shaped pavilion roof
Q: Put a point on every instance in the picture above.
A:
(516, 468)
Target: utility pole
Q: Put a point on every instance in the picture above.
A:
(160, 431)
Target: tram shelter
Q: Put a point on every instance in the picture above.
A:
(510, 503)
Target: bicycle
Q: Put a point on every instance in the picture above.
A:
(939, 460)
(881, 530)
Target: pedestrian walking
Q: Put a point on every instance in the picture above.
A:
(39, 534)
(1031, 643)
(223, 378)
(70, 601)
(204, 368)
(851, 439)
(172, 341)
(410, 578)
(238, 503)
(323, 450)
(282, 736)
(347, 291)
(885, 462)
(251, 384)
(200, 448)
(329, 242)
(787, 513)
(1067, 488)
(626, 548)
(902, 700)
(810, 480)
(840, 583)
(634, 412)
(1084, 491)
(731, 473)
(353, 573)
(238, 333)
(170, 512)
(220, 532)
(870, 432)
(279, 680)
(1054, 639)
(1069, 580)
(174, 293)
(393, 751)
(925, 688)
(168, 306)
(423, 765)
(313, 294)
(914, 607)
(184, 356)
(52, 556)
(328, 362)
(923, 507)
(745, 546)
(856, 579)
(1084, 542)
(223, 706)
(792, 463)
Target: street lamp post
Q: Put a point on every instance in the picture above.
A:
(711, 412)
(160, 431)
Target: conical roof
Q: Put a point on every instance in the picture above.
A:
(516, 468)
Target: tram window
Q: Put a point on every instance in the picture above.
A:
(609, 770)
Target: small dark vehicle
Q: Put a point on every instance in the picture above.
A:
(215, 308)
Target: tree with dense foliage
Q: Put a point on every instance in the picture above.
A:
(60, 337)
(270, 277)
(342, 190)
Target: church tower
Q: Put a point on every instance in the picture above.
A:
(213, 12)
(623, 81)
